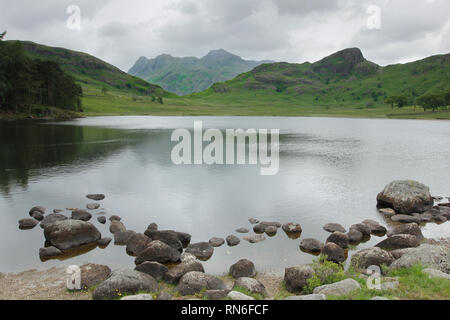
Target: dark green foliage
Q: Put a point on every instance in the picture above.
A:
(25, 82)
(431, 101)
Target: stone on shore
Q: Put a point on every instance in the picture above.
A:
(399, 241)
(52, 218)
(216, 294)
(93, 274)
(235, 295)
(251, 285)
(296, 278)
(309, 297)
(152, 268)
(164, 296)
(434, 273)
(174, 274)
(68, 234)
(202, 250)
(144, 296)
(332, 227)
(432, 256)
(338, 289)
(405, 197)
(27, 223)
(124, 282)
(216, 242)
(243, 268)
(232, 240)
(375, 256)
(310, 245)
(194, 282)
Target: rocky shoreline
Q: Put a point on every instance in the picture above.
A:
(169, 266)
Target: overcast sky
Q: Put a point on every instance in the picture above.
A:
(120, 31)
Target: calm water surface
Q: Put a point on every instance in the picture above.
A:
(330, 171)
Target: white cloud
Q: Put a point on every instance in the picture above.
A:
(282, 30)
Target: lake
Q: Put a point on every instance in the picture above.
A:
(331, 170)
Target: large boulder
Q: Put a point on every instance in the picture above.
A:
(242, 268)
(433, 256)
(375, 256)
(405, 197)
(250, 285)
(340, 288)
(152, 268)
(310, 245)
(169, 237)
(68, 234)
(399, 241)
(123, 282)
(52, 218)
(339, 238)
(333, 252)
(410, 228)
(193, 282)
(202, 250)
(175, 273)
(136, 243)
(295, 278)
(158, 251)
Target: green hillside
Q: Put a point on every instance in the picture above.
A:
(344, 79)
(92, 73)
(187, 75)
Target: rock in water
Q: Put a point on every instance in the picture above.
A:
(202, 250)
(339, 238)
(194, 282)
(81, 215)
(271, 231)
(310, 245)
(292, 228)
(332, 227)
(101, 219)
(116, 226)
(39, 209)
(158, 251)
(216, 242)
(93, 206)
(410, 228)
(169, 237)
(124, 282)
(242, 268)
(96, 197)
(48, 253)
(27, 223)
(399, 241)
(121, 238)
(255, 239)
(232, 240)
(405, 197)
(104, 242)
(334, 252)
(52, 218)
(297, 277)
(136, 243)
(69, 234)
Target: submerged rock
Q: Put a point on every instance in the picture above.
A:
(355, 236)
(259, 228)
(69, 234)
(243, 268)
(253, 221)
(124, 282)
(38, 216)
(405, 197)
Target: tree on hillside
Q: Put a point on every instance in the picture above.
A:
(431, 101)
(397, 101)
(391, 101)
(104, 91)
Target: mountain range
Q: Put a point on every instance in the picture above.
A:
(190, 74)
